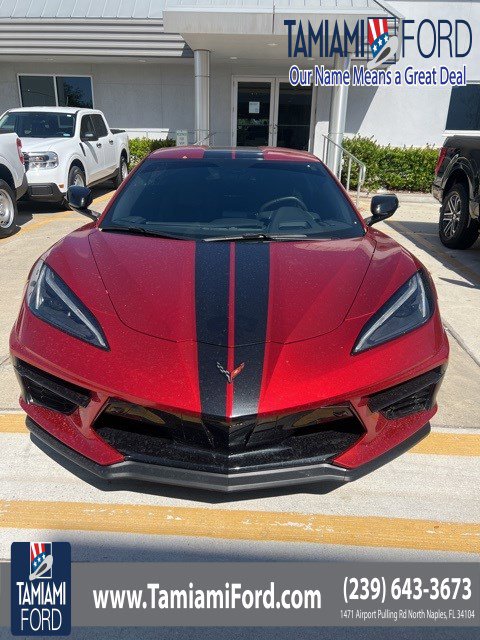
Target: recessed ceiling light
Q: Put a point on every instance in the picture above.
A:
(142, 60)
(233, 58)
(272, 44)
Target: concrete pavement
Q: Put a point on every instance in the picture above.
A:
(424, 505)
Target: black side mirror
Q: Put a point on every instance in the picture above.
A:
(89, 137)
(382, 207)
(79, 199)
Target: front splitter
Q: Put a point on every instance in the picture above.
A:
(233, 482)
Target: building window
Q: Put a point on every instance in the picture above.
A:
(56, 91)
(464, 109)
(37, 91)
(74, 92)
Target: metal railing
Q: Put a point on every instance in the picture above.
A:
(209, 139)
(341, 157)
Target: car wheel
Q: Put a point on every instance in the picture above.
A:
(457, 229)
(122, 172)
(8, 210)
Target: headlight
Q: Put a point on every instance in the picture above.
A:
(49, 298)
(410, 307)
(42, 160)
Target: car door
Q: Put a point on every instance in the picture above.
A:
(92, 149)
(108, 141)
(105, 147)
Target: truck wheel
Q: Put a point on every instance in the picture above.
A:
(457, 229)
(8, 210)
(76, 177)
(122, 172)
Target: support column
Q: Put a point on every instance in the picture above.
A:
(201, 59)
(338, 113)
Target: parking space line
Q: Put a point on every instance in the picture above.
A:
(12, 423)
(437, 443)
(449, 444)
(53, 217)
(465, 271)
(358, 531)
(105, 198)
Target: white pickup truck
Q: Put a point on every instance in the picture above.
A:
(65, 146)
(13, 182)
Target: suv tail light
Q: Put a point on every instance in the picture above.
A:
(19, 149)
(441, 157)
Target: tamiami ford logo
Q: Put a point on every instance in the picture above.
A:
(40, 589)
(380, 42)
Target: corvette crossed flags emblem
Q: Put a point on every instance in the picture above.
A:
(231, 375)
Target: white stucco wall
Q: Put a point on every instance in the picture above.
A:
(132, 95)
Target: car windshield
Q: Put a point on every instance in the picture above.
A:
(39, 124)
(240, 198)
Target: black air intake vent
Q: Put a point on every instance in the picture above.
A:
(220, 446)
(408, 398)
(45, 390)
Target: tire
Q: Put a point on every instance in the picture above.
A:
(122, 171)
(457, 229)
(76, 177)
(8, 210)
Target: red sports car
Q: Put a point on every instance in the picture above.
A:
(229, 322)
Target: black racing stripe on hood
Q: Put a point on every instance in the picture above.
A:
(212, 262)
(248, 154)
(252, 276)
(218, 154)
(251, 293)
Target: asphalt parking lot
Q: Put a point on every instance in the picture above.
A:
(424, 506)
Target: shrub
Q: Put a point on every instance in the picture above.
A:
(392, 168)
(141, 147)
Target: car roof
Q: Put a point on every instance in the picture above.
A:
(52, 109)
(233, 153)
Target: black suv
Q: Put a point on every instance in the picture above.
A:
(456, 186)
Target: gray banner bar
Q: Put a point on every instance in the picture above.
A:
(316, 594)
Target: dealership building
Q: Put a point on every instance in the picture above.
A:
(218, 70)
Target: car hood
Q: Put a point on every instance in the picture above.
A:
(43, 144)
(231, 294)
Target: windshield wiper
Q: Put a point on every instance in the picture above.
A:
(141, 231)
(249, 237)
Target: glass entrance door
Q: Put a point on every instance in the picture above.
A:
(254, 114)
(294, 110)
(269, 111)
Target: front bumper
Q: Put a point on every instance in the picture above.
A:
(22, 189)
(243, 451)
(129, 470)
(47, 192)
(244, 454)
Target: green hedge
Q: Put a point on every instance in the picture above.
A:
(392, 168)
(141, 147)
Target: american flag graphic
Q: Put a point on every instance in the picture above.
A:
(39, 551)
